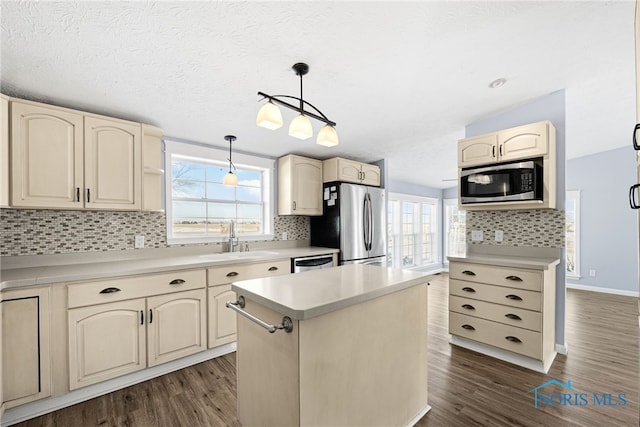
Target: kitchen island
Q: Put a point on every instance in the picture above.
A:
(355, 353)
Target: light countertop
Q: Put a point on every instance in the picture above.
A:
(113, 265)
(314, 293)
(541, 263)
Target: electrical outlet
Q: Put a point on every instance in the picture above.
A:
(499, 235)
(138, 242)
(477, 235)
(284, 235)
(592, 273)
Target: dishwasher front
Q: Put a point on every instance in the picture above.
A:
(301, 264)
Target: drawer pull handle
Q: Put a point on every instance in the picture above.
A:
(468, 273)
(468, 289)
(513, 316)
(468, 327)
(274, 268)
(514, 278)
(468, 307)
(177, 282)
(512, 339)
(513, 297)
(232, 274)
(109, 290)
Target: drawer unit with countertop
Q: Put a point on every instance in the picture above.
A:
(506, 308)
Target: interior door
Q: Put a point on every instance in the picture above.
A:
(351, 199)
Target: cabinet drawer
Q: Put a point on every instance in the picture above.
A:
(98, 292)
(504, 276)
(237, 272)
(526, 319)
(517, 340)
(497, 294)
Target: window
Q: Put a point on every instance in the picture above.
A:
(200, 208)
(572, 213)
(455, 240)
(412, 231)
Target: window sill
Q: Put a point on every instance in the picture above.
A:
(174, 241)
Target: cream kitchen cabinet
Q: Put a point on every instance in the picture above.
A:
(4, 152)
(119, 326)
(26, 363)
(152, 171)
(511, 309)
(67, 159)
(345, 170)
(522, 142)
(222, 321)
(299, 185)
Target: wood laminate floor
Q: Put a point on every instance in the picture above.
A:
(465, 388)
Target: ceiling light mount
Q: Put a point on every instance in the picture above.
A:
(497, 83)
(270, 116)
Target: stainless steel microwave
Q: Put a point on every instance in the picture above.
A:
(505, 182)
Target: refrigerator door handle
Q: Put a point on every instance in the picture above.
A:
(369, 213)
(365, 223)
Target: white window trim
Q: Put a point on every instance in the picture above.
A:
(217, 154)
(575, 194)
(397, 246)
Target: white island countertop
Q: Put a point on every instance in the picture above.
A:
(313, 293)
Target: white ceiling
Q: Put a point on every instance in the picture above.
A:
(400, 79)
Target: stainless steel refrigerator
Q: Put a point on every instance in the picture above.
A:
(354, 221)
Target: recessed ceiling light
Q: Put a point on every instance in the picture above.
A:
(497, 83)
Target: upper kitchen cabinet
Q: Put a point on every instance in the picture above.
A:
(299, 185)
(47, 152)
(112, 167)
(522, 142)
(67, 159)
(345, 170)
(4, 151)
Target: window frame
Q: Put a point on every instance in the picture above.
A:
(395, 223)
(216, 155)
(447, 203)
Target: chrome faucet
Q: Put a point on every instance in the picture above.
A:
(233, 239)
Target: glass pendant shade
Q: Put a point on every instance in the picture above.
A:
(230, 179)
(327, 136)
(269, 116)
(301, 127)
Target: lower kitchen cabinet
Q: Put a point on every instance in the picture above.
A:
(222, 326)
(26, 363)
(119, 326)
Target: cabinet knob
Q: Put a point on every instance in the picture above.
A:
(177, 282)
(109, 290)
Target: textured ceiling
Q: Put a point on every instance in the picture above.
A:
(400, 79)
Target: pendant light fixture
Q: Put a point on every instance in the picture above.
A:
(230, 179)
(270, 117)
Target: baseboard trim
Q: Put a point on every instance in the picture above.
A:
(562, 349)
(44, 406)
(603, 290)
(507, 356)
(418, 417)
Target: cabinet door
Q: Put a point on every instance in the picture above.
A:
(106, 341)
(46, 157)
(477, 150)
(370, 174)
(112, 164)
(26, 372)
(307, 186)
(4, 152)
(222, 320)
(176, 325)
(349, 171)
(523, 142)
(152, 172)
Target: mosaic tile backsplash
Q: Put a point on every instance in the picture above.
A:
(44, 232)
(544, 228)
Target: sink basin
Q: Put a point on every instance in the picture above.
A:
(236, 255)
